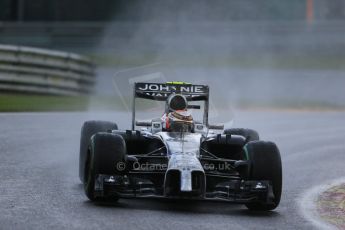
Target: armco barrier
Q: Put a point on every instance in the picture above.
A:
(41, 71)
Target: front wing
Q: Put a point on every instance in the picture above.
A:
(139, 185)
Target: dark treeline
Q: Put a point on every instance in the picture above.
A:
(168, 10)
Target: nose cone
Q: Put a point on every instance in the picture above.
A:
(185, 176)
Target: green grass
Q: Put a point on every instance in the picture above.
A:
(274, 61)
(40, 103)
(45, 103)
(22, 103)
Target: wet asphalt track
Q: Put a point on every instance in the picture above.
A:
(40, 189)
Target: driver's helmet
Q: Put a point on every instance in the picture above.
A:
(179, 121)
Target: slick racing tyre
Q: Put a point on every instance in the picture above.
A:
(106, 152)
(248, 134)
(88, 129)
(265, 164)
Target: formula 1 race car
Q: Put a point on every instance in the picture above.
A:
(175, 156)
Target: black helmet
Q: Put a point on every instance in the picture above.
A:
(176, 102)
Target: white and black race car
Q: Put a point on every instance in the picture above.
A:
(176, 157)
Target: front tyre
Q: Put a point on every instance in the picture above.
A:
(105, 152)
(88, 129)
(265, 164)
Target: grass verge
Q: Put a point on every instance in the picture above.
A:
(43, 103)
(24, 103)
(264, 61)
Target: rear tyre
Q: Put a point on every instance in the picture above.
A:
(105, 153)
(88, 129)
(265, 164)
(248, 134)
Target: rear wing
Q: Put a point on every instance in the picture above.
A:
(161, 92)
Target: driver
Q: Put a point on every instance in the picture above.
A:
(176, 117)
(178, 121)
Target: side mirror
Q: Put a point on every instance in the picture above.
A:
(217, 127)
(193, 106)
(143, 123)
